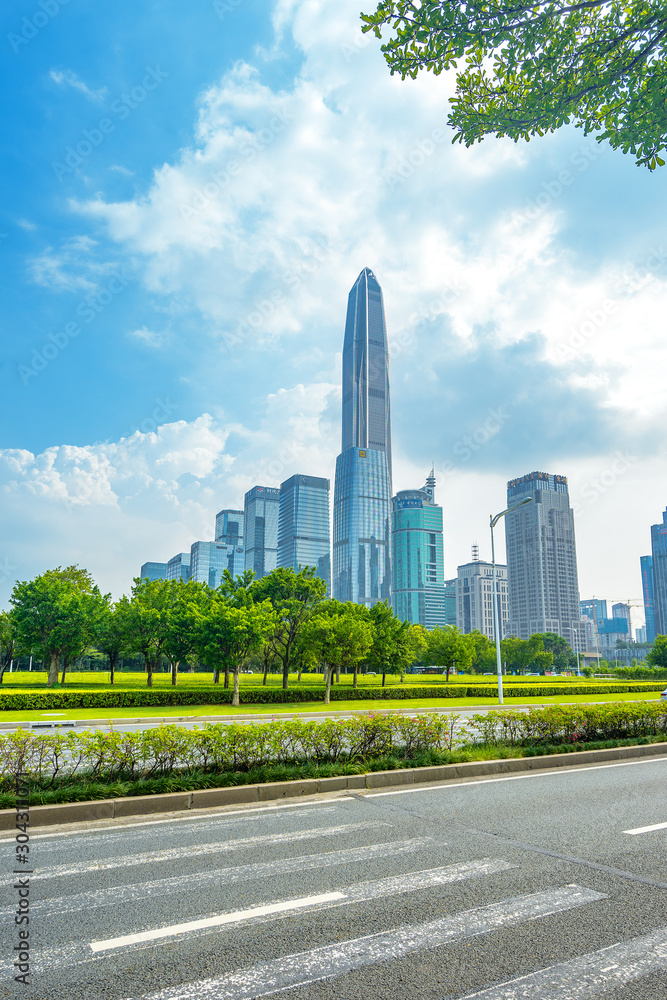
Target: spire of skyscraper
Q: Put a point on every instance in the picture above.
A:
(362, 491)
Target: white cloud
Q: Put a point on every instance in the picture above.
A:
(148, 337)
(67, 78)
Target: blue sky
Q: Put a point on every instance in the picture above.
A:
(190, 192)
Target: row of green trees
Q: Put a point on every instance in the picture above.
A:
(282, 622)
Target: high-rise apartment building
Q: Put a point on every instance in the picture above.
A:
(362, 488)
(261, 510)
(622, 611)
(543, 588)
(229, 527)
(474, 598)
(646, 563)
(659, 557)
(417, 558)
(303, 526)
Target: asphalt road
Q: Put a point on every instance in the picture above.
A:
(526, 886)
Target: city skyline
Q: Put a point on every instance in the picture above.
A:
(174, 325)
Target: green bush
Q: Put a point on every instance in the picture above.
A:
(567, 724)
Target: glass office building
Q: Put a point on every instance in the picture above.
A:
(417, 557)
(659, 559)
(229, 527)
(153, 571)
(646, 563)
(178, 567)
(543, 587)
(209, 560)
(362, 487)
(261, 510)
(303, 526)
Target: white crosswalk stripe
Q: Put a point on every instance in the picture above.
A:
(139, 891)
(589, 975)
(333, 960)
(190, 851)
(363, 892)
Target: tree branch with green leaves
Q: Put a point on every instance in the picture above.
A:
(526, 69)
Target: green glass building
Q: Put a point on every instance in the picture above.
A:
(417, 557)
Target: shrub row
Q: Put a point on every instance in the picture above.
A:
(217, 695)
(168, 749)
(558, 724)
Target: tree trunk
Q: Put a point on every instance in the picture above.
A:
(337, 675)
(53, 669)
(299, 675)
(327, 689)
(174, 672)
(112, 666)
(266, 671)
(449, 667)
(286, 672)
(384, 678)
(354, 675)
(62, 676)
(216, 675)
(235, 696)
(226, 684)
(149, 673)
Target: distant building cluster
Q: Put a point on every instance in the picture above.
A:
(390, 547)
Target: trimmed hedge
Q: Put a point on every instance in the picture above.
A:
(217, 695)
(558, 724)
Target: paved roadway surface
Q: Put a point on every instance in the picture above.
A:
(527, 886)
(58, 720)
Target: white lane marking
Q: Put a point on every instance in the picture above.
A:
(218, 921)
(362, 892)
(587, 975)
(336, 959)
(471, 782)
(140, 891)
(646, 829)
(176, 853)
(197, 815)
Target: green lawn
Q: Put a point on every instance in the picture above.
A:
(273, 711)
(131, 680)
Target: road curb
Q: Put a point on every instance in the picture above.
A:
(140, 805)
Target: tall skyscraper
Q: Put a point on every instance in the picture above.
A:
(362, 489)
(153, 571)
(543, 588)
(178, 567)
(209, 560)
(229, 527)
(646, 563)
(659, 557)
(303, 526)
(417, 557)
(260, 509)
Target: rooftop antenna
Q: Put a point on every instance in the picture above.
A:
(475, 552)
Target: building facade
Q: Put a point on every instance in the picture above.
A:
(417, 557)
(303, 526)
(646, 563)
(450, 601)
(261, 511)
(543, 588)
(153, 571)
(209, 560)
(362, 486)
(229, 527)
(474, 598)
(178, 567)
(659, 558)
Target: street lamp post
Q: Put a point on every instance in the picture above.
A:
(496, 610)
(576, 634)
